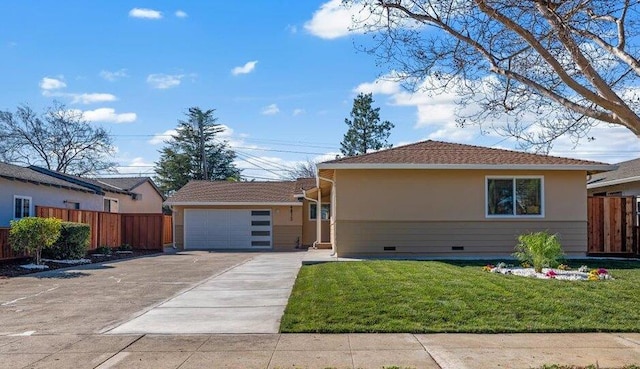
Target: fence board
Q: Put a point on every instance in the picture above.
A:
(143, 231)
(167, 231)
(612, 227)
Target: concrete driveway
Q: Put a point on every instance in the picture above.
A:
(248, 298)
(90, 298)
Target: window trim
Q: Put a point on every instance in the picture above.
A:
(31, 212)
(514, 215)
(110, 199)
(316, 205)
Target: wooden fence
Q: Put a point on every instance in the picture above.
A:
(140, 231)
(6, 252)
(167, 232)
(612, 226)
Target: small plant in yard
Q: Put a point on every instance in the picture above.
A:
(104, 250)
(540, 249)
(125, 247)
(564, 267)
(488, 267)
(33, 234)
(72, 243)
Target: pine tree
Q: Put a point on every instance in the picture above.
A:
(366, 132)
(181, 160)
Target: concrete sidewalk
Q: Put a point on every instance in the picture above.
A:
(248, 298)
(446, 351)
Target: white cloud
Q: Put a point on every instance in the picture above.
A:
(108, 115)
(160, 138)
(181, 14)
(48, 83)
(164, 81)
(335, 19)
(137, 165)
(92, 98)
(113, 76)
(145, 13)
(386, 85)
(270, 110)
(247, 68)
(292, 28)
(297, 112)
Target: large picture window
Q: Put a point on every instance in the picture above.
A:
(514, 196)
(313, 211)
(22, 207)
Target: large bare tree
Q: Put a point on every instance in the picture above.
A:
(554, 67)
(59, 139)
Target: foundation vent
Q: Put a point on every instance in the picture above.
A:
(457, 248)
(389, 248)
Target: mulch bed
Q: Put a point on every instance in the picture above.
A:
(11, 268)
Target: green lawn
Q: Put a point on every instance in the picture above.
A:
(430, 296)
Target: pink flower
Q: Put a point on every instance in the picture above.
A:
(602, 271)
(551, 274)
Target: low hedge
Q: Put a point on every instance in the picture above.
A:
(73, 242)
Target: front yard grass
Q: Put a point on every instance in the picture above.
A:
(431, 296)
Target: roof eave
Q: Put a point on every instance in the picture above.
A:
(231, 203)
(585, 167)
(613, 182)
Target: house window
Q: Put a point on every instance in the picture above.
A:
(110, 205)
(514, 196)
(325, 213)
(72, 205)
(22, 207)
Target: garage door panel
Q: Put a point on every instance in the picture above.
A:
(227, 229)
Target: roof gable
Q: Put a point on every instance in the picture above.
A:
(444, 155)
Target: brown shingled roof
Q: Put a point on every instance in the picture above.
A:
(444, 153)
(208, 192)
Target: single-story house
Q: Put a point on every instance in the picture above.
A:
(624, 181)
(272, 215)
(431, 198)
(23, 188)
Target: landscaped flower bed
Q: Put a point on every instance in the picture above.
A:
(562, 272)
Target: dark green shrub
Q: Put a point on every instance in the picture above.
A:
(105, 250)
(125, 247)
(72, 243)
(34, 234)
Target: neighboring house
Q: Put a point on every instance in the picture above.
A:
(23, 188)
(243, 215)
(624, 181)
(438, 198)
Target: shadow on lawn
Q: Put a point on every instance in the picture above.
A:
(573, 263)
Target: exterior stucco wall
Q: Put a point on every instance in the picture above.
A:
(309, 227)
(435, 211)
(286, 224)
(627, 189)
(151, 201)
(42, 195)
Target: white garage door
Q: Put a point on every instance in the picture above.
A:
(227, 229)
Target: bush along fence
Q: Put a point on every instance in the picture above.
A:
(140, 231)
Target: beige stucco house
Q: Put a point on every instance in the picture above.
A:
(428, 198)
(445, 199)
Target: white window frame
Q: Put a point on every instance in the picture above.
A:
(514, 215)
(110, 199)
(316, 205)
(13, 210)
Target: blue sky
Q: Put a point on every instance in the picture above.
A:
(281, 75)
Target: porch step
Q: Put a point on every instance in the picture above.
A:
(323, 245)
